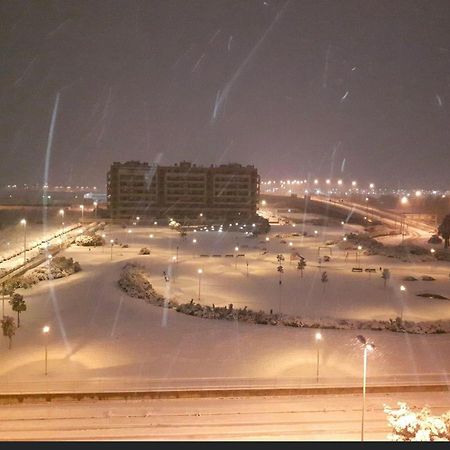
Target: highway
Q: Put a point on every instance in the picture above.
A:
(307, 418)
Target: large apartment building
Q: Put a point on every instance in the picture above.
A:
(182, 191)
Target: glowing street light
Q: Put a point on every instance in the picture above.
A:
(404, 200)
(402, 289)
(263, 203)
(199, 271)
(23, 222)
(82, 211)
(368, 347)
(236, 249)
(45, 331)
(354, 183)
(358, 249)
(318, 338)
(371, 185)
(61, 213)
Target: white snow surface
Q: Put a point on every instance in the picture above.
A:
(101, 338)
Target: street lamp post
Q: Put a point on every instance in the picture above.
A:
(95, 209)
(45, 331)
(82, 212)
(194, 241)
(177, 254)
(61, 213)
(359, 248)
(236, 249)
(199, 271)
(112, 244)
(318, 339)
(24, 223)
(368, 347)
(402, 289)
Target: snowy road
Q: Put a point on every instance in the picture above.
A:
(309, 418)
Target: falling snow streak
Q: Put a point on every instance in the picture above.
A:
(104, 116)
(175, 64)
(343, 165)
(229, 43)
(19, 80)
(216, 106)
(50, 139)
(198, 63)
(214, 36)
(439, 100)
(58, 28)
(344, 96)
(222, 156)
(228, 86)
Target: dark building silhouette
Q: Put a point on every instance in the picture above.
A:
(184, 190)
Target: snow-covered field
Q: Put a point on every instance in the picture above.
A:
(101, 338)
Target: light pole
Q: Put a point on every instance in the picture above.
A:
(61, 213)
(194, 241)
(402, 289)
(82, 212)
(104, 242)
(45, 331)
(95, 208)
(236, 249)
(199, 271)
(112, 243)
(177, 254)
(368, 347)
(359, 248)
(318, 337)
(24, 223)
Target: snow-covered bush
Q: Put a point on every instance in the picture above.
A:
(135, 282)
(89, 240)
(59, 267)
(409, 425)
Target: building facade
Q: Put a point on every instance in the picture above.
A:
(182, 191)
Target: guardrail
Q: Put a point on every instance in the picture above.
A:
(219, 392)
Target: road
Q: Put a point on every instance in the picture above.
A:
(308, 418)
(389, 218)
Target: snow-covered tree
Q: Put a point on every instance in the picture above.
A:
(324, 279)
(18, 305)
(280, 270)
(301, 266)
(409, 425)
(9, 328)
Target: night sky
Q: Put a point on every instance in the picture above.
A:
(341, 88)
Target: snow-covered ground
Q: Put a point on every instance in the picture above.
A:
(306, 417)
(102, 339)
